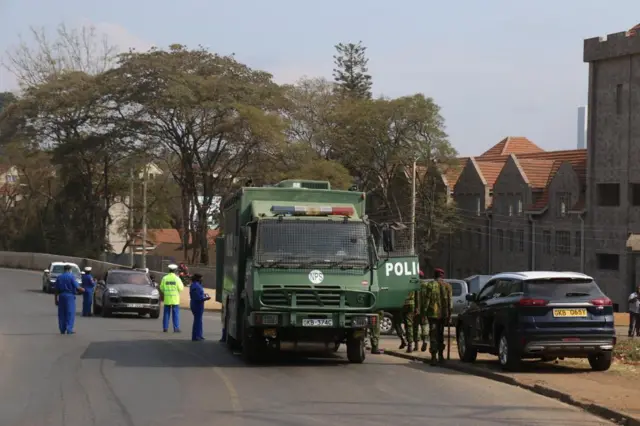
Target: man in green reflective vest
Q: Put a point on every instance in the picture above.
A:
(170, 288)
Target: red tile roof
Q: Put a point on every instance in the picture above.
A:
(490, 170)
(452, 172)
(512, 145)
(537, 172)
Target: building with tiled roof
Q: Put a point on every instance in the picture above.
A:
(512, 145)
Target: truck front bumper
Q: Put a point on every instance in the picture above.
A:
(313, 320)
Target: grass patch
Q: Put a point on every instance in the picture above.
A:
(628, 351)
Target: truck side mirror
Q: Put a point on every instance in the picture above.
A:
(471, 297)
(46, 271)
(388, 239)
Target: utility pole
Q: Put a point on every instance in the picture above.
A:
(413, 209)
(144, 215)
(131, 233)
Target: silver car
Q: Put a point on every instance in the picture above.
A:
(460, 290)
(51, 274)
(126, 290)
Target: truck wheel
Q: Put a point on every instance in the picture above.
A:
(355, 350)
(250, 346)
(105, 311)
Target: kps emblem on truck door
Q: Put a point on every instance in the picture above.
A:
(316, 277)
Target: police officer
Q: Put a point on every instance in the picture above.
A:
(375, 335)
(88, 284)
(436, 305)
(170, 288)
(409, 316)
(198, 297)
(65, 298)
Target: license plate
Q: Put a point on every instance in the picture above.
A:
(317, 323)
(569, 313)
(135, 305)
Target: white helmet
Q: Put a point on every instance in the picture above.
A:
(172, 267)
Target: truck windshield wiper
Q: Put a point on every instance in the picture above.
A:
(577, 294)
(289, 260)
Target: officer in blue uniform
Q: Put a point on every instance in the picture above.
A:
(198, 297)
(88, 284)
(65, 297)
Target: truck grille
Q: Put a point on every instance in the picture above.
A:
(309, 296)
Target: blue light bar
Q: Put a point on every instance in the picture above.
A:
(312, 211)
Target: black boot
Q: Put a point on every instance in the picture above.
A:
(375, 350)
(409, 348)
(434, 359)
(423, 348)
(403, 343)
(415, 346)
(441, 357)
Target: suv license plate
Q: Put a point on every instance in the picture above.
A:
(317, 323)
(135, 305)
(570, 313)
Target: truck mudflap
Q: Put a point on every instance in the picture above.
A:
(315, 320)
(319, 300)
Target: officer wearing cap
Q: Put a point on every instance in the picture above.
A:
(435, 305)
(198, 298)
(170, 288)
(89, 285)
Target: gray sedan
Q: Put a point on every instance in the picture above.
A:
(127, 291)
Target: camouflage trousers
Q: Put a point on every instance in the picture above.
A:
(436, 335)
(374, 332)
(414, 323)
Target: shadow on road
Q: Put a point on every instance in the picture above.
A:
(535, 366)
(38, 291)
(172, 353)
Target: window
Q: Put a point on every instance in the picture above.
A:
(577, 248)
(478, 205)
(608, 194)
(479, 238)
(506, 288)
(619, 99)
(519, 207)
(562, 203)
(510, 240)
(520, 240)
(456, 287)
(562, 288)
(500, 235)
(563, 242)
(134, 278)
(487, 291)
(634, 194)
(546, 242)
(608, 261)
(510, 209)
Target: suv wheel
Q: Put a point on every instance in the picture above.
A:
(466, 351)
(507, 353)
(601, 361)
(386, 325)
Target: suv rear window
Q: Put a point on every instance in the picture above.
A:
(560, 288)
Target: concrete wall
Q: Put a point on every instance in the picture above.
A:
(41, 261)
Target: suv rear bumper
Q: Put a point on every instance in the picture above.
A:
(569, 347)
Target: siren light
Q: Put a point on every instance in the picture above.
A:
(312, 211)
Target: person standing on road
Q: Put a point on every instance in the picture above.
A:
(435, 305)
(88, 284)
(198, 297)
(375, 335)
(408, 316)
(419, 328)
(65, 299)
(170, 288)
(634, 313)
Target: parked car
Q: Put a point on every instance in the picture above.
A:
(546, 315)
(460, 303)
(126, 290)
(51, 274)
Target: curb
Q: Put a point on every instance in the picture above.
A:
(595, 409)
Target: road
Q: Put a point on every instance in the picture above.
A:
(125, 371)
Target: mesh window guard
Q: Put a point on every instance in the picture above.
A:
(304, 244)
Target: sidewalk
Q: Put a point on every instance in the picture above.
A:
(614, 394)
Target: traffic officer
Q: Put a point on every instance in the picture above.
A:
(198, 297)
(65, 298)
(436, 304)
(88, 284)
(170, 288)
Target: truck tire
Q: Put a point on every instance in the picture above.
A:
(355, 350)
(250, 344)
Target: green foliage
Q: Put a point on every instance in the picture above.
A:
(351, 72)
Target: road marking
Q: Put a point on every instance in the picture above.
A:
(231, 389)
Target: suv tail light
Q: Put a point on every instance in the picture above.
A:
(602, 301)
(526, 301)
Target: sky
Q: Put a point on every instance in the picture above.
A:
(497, 68)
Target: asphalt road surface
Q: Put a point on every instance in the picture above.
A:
(125, 371)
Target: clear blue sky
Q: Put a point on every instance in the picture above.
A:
(497, 67)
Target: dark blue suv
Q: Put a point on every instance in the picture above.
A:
(538, 315)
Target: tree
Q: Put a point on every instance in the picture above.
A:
(6, 98)
(208, 116)
(350, 73)
(40, 60)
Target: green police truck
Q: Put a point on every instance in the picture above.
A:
(298, 268)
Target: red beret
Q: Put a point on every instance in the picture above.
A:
(421, 273)
(439, 271)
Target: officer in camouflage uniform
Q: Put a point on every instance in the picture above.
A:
(408, 316)
(435, 306)
(419, 327)
(375, 335)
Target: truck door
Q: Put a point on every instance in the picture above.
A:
(396, 277)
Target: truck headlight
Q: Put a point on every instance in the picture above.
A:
(113, 291)
(359, 322)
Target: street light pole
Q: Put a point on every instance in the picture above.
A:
(144, 216)
(131, 233)
(413, 209)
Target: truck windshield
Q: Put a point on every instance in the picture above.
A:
(307, 243)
